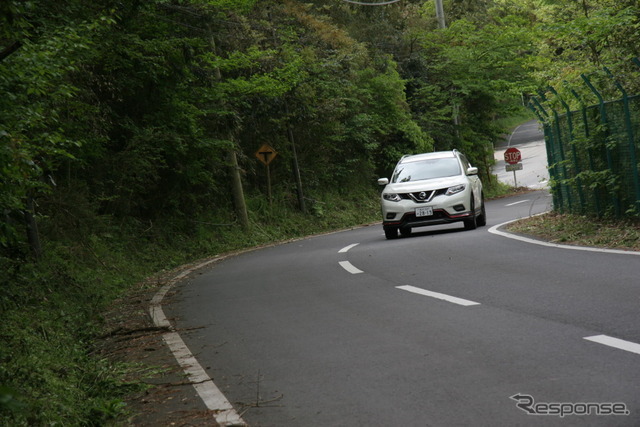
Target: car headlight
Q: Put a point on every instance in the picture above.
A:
(455, 189)
(392, 197)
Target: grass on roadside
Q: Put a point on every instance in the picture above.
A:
(51, 311)
(581, 230)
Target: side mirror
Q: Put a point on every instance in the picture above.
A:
(472, 171)
(383, 181)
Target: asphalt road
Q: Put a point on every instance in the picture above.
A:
(529, 139)
(442, 328)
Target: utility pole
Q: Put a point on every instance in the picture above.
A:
(295, 166)
(440, 14)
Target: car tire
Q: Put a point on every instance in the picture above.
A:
(482, 219)
(405, 231)
(471, 223)
(391, 232)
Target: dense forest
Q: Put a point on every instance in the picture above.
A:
(129, 132)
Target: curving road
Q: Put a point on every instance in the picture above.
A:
(529, 139)
(447, 327)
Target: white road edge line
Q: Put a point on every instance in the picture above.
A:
(511, 136)
(349, 267)
(346, 248)
(615, 342)
(517, 203)
(494, 230)
(438, 295)
(210, 394)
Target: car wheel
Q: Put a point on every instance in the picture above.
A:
(482, 219)
(391, 232)
(471, 223)
(405, 231)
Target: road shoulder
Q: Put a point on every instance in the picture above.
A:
(132, 338)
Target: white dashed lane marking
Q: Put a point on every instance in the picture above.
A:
(444, 297)
(600, 339)
(346, 248)
(346, 264)
(615, 342)
(517, 203)
(349, 267)
(455, 300)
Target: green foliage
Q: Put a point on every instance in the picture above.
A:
(467, 79)
(494, 189)
(117, 117)
(47, 325)
(577, 38)
(229, 5)
(36, 79)
(592, 168)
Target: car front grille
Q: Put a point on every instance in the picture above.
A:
(422, 196)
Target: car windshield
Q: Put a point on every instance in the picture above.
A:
(426, 169)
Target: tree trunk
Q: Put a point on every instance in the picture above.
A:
(236, 179)
(238, 192)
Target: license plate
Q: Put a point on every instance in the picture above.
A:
(428, 211)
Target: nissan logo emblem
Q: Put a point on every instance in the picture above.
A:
(422, 195)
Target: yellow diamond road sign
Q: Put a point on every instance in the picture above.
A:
(266, 154)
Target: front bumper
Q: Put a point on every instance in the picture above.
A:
(446, 209)
(440, 216)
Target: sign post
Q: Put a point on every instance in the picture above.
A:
(266, 154)
(513, 157)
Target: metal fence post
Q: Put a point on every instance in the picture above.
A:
(630, 138)
(604, 122)
(564, 188)
(574, 154)
(549, 140)
(585, 121)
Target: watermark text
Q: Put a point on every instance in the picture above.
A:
(528, 404)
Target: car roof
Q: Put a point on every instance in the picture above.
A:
(428, 156)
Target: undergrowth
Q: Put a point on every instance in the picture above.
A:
(51, 310)
(582, 230)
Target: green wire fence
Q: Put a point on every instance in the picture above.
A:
(593, 152)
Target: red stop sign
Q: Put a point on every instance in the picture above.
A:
(512, 156)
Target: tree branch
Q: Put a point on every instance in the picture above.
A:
(10, 49)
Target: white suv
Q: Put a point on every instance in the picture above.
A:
(429, 189)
